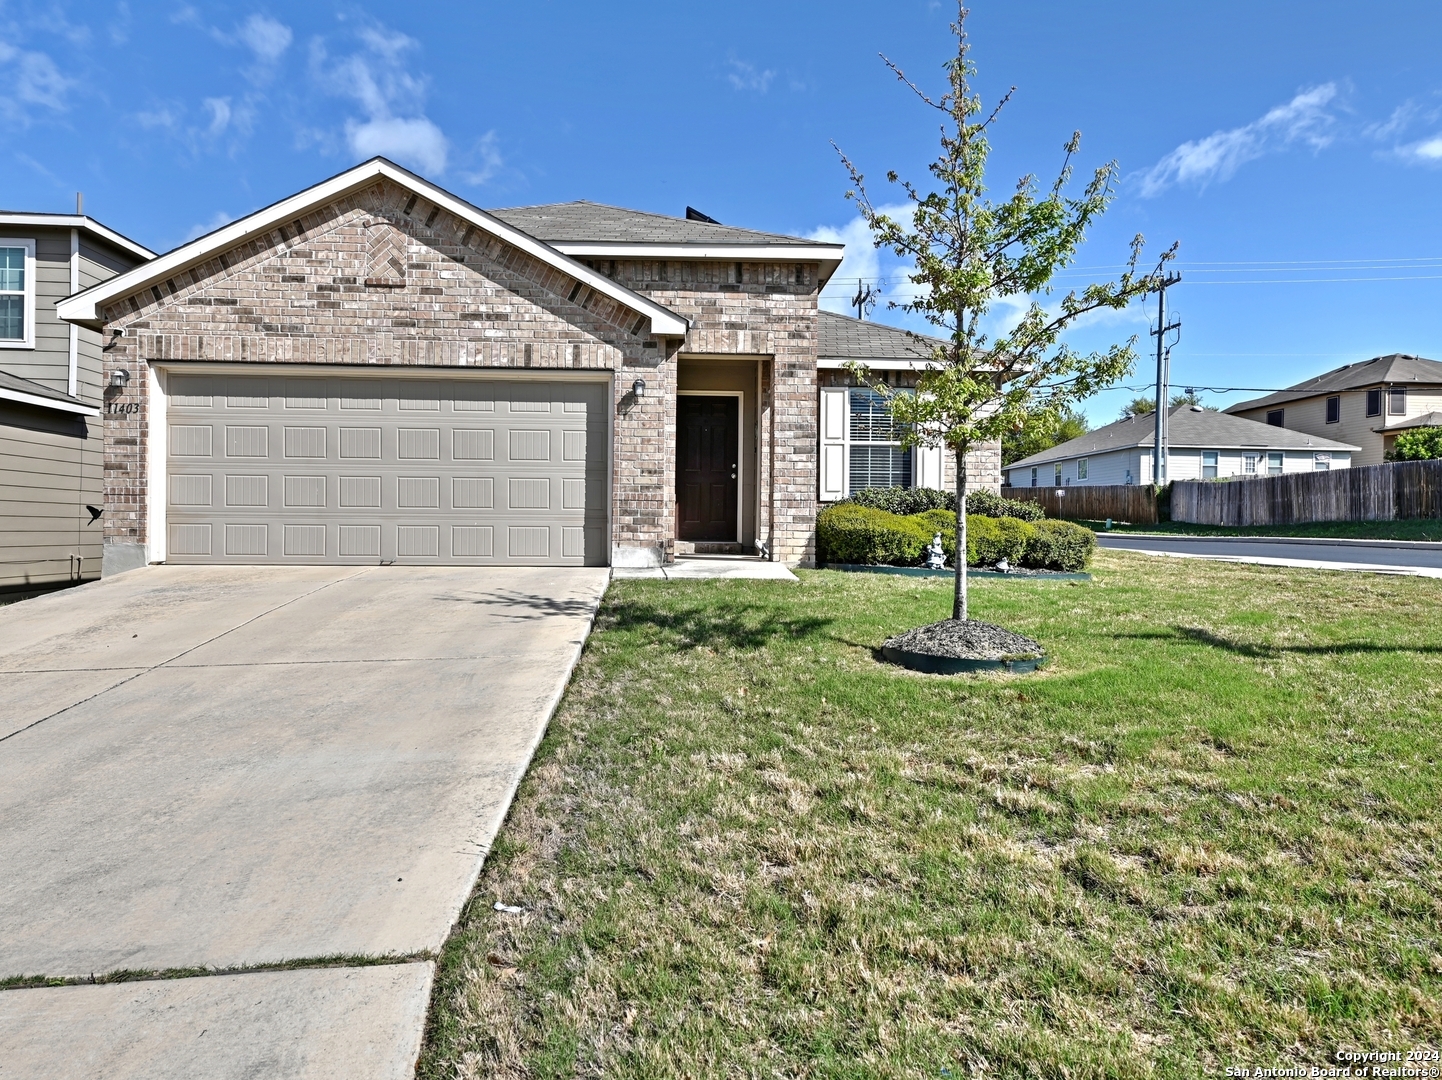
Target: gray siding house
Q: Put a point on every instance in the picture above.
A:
(51, 396)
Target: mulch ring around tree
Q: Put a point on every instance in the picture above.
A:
(953, 646)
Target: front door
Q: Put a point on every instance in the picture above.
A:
(707, 456)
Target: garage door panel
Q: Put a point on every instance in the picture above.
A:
(357, 470)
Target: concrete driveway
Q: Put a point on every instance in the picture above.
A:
(1418, 558)
(223, 767)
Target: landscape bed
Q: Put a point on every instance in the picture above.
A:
(1206, 834)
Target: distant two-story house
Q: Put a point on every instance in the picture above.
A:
(374, 370)
(1367, 403)
(51, 396)
(1202, 445)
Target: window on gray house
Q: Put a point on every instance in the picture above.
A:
(1081, 469)
(1274, 417)
(1321, 462)
(1397, 400)
(1374, 402)
(1274, 463)
(1334, 409)
(1209, 464)
(1058, 474)
(1249, 464)
(876, 456)
(1033, 478)
(12, 293)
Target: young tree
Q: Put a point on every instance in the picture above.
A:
(970, 251)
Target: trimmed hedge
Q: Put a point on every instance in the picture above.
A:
(908, 502)
(847, 533)
(1060, 545)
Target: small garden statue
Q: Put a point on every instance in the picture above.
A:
(936, 554)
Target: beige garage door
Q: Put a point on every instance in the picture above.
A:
(324, 469)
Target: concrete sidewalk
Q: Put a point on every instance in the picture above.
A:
(221, 767)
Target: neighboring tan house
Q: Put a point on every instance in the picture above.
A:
(860, 444)
(1202, 445)
(51, 441)
(1366, 403)
(374, 370)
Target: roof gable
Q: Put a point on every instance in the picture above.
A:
(87, 306)
(1188, 428)
(1394, 368)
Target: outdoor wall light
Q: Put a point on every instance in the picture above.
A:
(639, 388)
(119, 377)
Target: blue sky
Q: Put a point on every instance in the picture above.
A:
(1292, 148)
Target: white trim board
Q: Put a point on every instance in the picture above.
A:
(19, 396)
(828, 255)
(740, 396)
(85, 307)
(76, 221)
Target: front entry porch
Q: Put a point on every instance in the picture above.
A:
(717, 492)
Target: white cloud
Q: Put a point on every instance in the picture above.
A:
(1217, 157)
(265, 37)
(390, 97)
(417, 141)
(487, 157)
(879, 269)
(219, 109)
(33, 79)
(1428, 151)
(744, 76)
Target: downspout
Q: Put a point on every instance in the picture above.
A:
(74, 329)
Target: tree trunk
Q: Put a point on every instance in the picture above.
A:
(959, 609)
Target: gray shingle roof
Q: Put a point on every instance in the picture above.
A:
(1395, 368)
(1431, 419)
(1187, 429)
(587, 222)
(840, 337)
(35, 389)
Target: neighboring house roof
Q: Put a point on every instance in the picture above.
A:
(1431, 419)
(10, 218)
(85, 307)
(840, 339)
(1188, 427)
(1397, 368)
(25, 392)
(593, 230)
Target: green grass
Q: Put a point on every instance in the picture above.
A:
(1206, 835)
(1427, 529)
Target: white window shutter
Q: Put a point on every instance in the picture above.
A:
(928, 467)
(833, 443)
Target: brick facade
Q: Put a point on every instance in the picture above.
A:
(379, 277)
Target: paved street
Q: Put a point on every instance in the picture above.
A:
(228, 766)
(1377, 556)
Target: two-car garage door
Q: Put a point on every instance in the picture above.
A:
(281, 468)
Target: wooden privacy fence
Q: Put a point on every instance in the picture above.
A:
(1400, 489)
(1085, 502)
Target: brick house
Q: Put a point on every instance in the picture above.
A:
(375, 370)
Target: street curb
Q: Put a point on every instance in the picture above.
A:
(1317, 541)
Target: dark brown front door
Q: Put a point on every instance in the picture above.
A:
(707, 442)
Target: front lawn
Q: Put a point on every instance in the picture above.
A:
(1207, 835)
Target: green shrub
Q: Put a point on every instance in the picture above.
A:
(1419, 445)
(909, 502)
(988, 505)
(847, 533)
(905, 501)
(1059, 545)
(989, 540)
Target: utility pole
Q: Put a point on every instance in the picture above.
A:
(864, 298)
(1164, 356)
